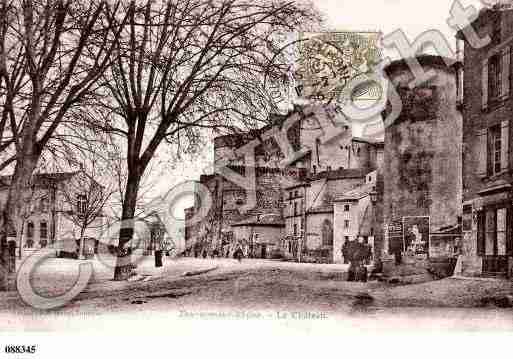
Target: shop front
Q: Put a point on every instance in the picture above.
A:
(493, 223)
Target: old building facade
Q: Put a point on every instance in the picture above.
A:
(487, 160)
(294, 214)
(51, 219)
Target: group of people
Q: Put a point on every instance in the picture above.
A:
(357, 254)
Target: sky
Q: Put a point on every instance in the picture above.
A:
(412, 16)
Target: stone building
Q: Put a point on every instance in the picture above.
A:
(359, 213)
(487, 109)
(51, 215)
(294, 214)
(422, 164)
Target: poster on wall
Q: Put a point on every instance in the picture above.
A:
(395, 236)
(416, 235)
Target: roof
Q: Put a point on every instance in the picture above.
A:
(261, 220)
(341, 173)
(238, 139)
(325, 208)
(357, 193)
(41, 178)
(296, 185)
(371, 141)
(425, 60)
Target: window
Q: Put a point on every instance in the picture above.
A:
(495, 150)
(295, 208)
(81, 204)
(44, 204)
(295, 193)
(43, 230)
(314, 169)
(494, 232)
(290, 194)
(295, 229)
(494, 77)
(346, 238)
(30, 229)
(327, 233)
(346, 224)
(346, 208)
(301, 224)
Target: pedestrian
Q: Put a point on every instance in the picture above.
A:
(238, 254)
(344, 251)
(359, 258)
(351, 249)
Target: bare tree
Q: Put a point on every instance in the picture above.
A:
(52, 53)
(85, 199)
(184, 67)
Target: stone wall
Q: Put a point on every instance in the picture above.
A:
(422, 167)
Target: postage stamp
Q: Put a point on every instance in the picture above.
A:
(322, 64)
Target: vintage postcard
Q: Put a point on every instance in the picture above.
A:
(234, 170)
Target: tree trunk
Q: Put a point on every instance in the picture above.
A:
(124, 266)
(81, 246)
(18, 198)
(4, 257)
(19, 238)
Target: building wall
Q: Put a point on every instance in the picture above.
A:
(354, 216)
(57, 215)
(422, 167)
(478, 119)
(314, 229)
(259, 236)
(272, 184)
(475, 118)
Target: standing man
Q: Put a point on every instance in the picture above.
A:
(345, 252)
(351, 253)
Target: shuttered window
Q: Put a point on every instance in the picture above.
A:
(494, 77)
(494, 150)
(484, 84)
(480, 153)
(491, 231)
(500, 246)
(505, 145)
(506, 63)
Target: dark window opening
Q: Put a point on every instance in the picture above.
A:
(494, 77)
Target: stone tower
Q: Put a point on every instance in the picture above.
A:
(423, 159)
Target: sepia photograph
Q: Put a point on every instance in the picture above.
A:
(223, 169)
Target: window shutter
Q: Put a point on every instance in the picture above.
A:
(484, 84)
(505, 145)
(506, 62)
(481, 153)
(509, 232)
